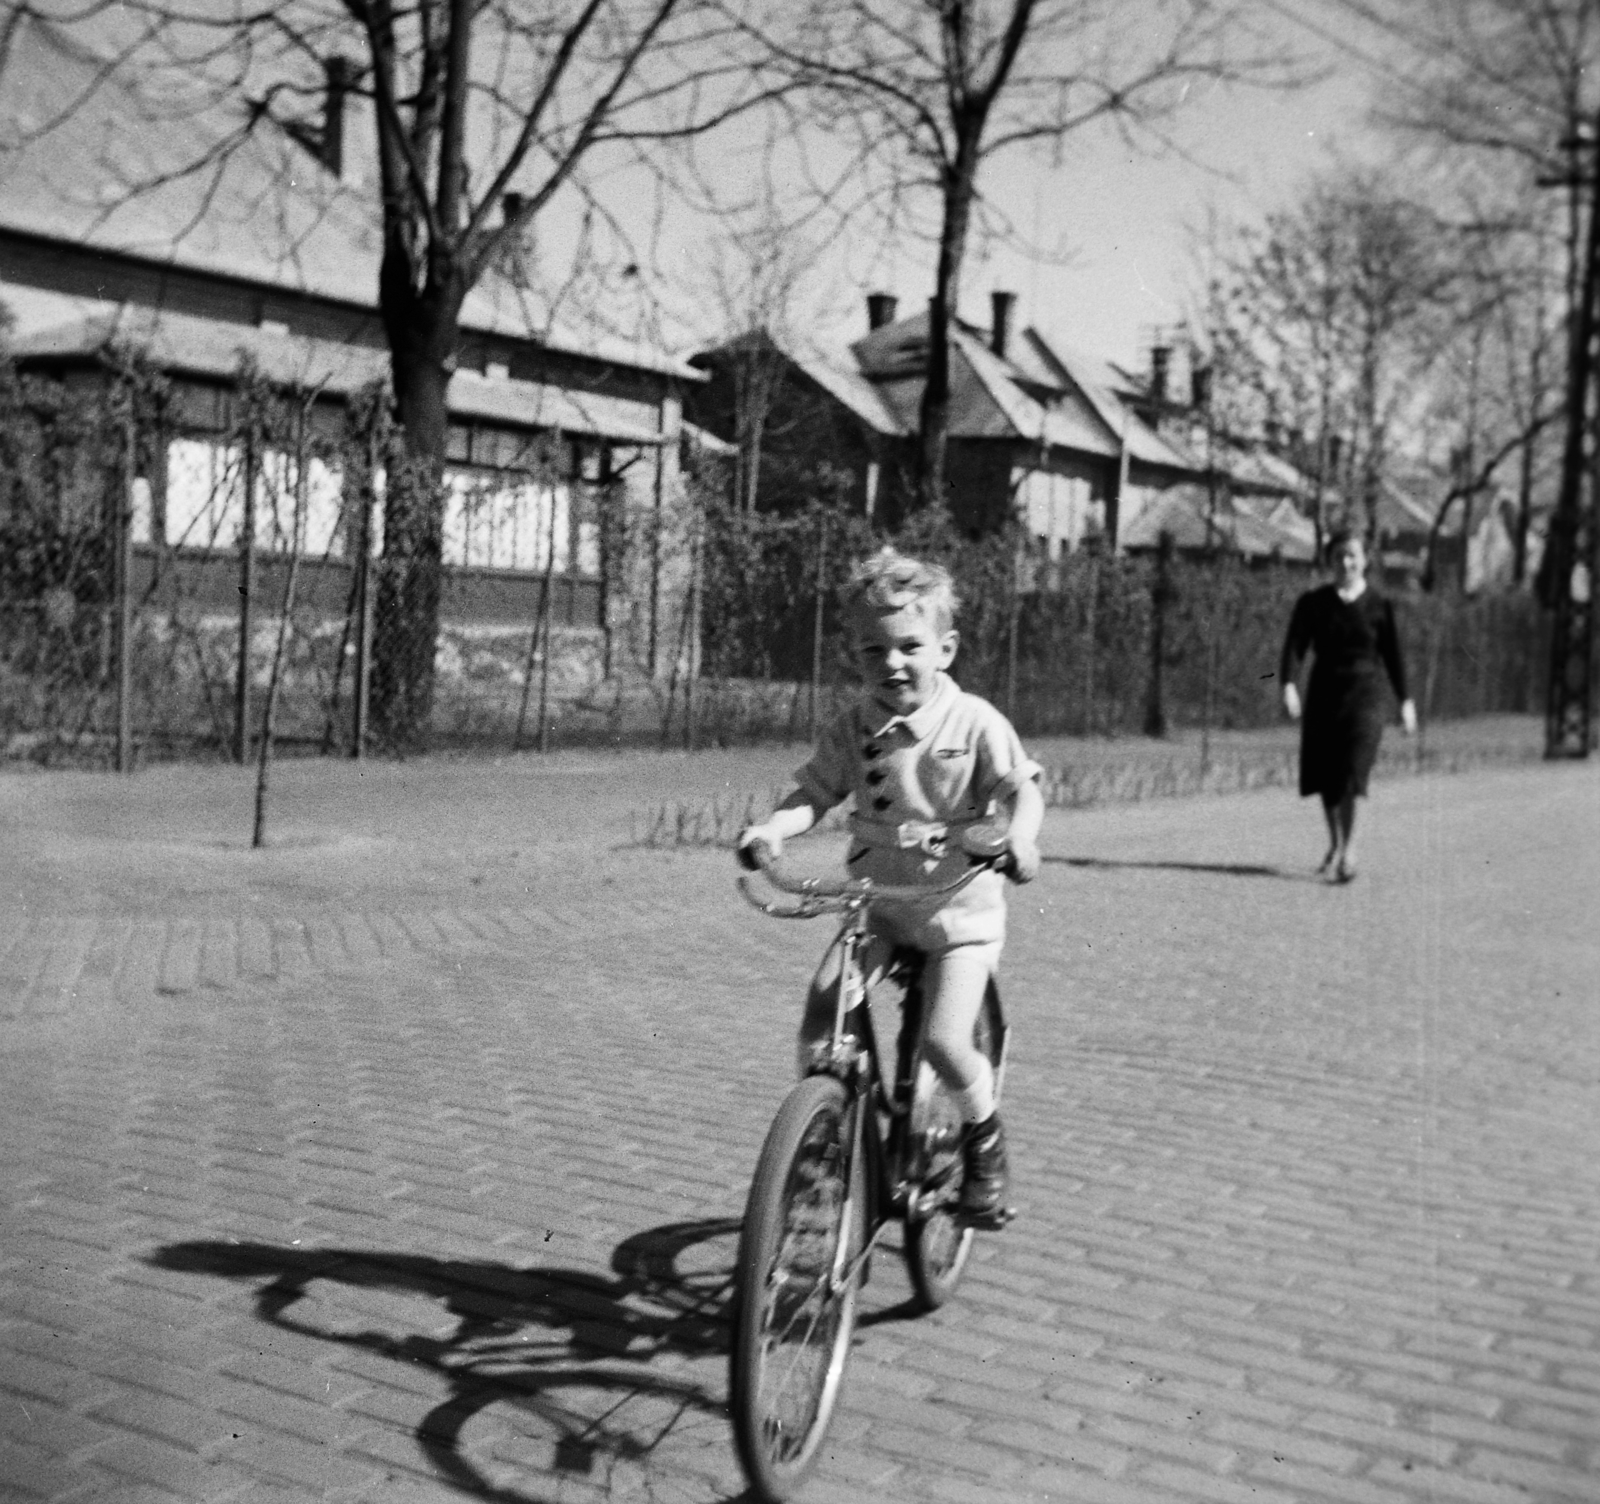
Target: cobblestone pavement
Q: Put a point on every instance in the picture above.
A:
(401, 1162)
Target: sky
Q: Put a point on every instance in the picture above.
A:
(1127, 220)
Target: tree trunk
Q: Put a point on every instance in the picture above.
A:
(933, 434)
(423, 331)
(1519, 556)
(1519, 540)
(934, 417)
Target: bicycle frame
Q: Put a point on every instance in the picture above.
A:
(852, 1053)
(829, 1170)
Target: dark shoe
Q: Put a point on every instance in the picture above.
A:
(983, 1187)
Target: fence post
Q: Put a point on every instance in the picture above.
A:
(1436, 640)
(816, 625)
(655, 571)
(1207, 701)
(123, 576)
(1013, 616)
(547, 622)
(247, 582)
(691, 611)
(527, 668)
(1091, 640)
(363, 705)
(1155, 714)
(275, 679)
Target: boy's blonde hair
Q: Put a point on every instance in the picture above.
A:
(890, 580)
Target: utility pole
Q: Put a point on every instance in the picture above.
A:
(1567, 572)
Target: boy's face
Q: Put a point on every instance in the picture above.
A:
(900, 654)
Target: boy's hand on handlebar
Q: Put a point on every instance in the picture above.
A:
(1014, 855)
(1021, 862)
(759, 846)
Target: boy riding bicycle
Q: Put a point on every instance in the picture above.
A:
(924, 761)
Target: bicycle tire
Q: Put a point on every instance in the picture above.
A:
(937, 1244)
(781, 1392)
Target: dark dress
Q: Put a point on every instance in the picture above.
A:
(1353, 645)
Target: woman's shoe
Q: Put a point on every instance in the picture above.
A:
(1345, 872)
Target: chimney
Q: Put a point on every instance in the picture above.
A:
(1200, 387)
(880, 309)
(1160, 361)
(1000, 328)
(341, 74)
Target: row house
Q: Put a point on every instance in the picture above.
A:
(1071, 446)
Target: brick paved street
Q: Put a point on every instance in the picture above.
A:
(399, 1162)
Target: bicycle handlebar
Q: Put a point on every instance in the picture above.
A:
(985, 847)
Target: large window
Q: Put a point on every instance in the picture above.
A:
(205, 500)
(543, 518)
(1058, 510)
(527, 525)
(492, 519)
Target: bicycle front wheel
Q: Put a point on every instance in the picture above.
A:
(798, 1273)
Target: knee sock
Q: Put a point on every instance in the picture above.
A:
(977, 1101)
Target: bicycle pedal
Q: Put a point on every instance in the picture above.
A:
(995, 1221)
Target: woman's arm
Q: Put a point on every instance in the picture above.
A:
(1395, 666)
(1296, 641)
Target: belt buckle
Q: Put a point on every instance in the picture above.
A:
(925, 836)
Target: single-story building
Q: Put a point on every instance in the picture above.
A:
(268, 258)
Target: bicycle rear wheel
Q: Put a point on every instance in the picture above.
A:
(798, 1274)
(936, 1242)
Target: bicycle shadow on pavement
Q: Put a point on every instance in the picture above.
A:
(568, 1349)
(1226, 869)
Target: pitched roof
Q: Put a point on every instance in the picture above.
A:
(90, 156)
(188, 345)
(1065, 422)
(1180, 511)
(987, 400)
(1096, 381)
(852, 389)
(844, 384)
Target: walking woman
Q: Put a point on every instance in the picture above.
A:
(1348, 629)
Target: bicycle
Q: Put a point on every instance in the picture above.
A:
(849, 1152)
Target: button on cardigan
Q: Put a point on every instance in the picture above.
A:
(945, 764)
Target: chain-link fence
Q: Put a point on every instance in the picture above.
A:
(1082, 644)
(186, 570)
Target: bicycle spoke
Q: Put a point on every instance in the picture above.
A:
(818, 1303)
(800, 1288)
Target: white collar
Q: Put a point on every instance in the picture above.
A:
(923, 719)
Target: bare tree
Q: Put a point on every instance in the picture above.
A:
(1328, 325)
(1508, 93)
(1498, 393)
(486, 113)
(754, 283)
(925, 94)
